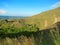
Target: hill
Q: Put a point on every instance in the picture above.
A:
(45, 19)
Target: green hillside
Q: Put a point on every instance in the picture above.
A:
(45, 19)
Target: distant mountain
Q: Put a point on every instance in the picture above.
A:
(8, 17)
(45, 19)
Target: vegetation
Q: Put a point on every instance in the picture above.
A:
(31, 31)
(21, 36)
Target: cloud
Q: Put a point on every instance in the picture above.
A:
(57, 4)
(3, 12)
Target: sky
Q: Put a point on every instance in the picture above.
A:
(26, 7)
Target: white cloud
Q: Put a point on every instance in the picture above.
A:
(57, 4)
(3, 11)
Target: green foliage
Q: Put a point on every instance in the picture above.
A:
(11, 28)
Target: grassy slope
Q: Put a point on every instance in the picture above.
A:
(39, 19)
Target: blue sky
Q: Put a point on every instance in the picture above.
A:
(26, 7)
